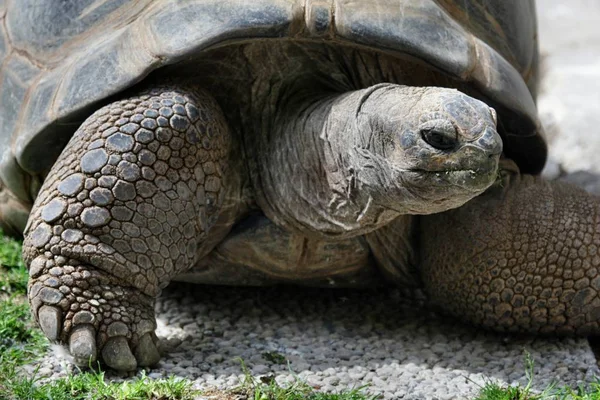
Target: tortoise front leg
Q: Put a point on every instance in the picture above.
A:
(522, 257)
(133, 200)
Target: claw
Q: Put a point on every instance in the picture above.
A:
(82, 344)
(50, 319)
(146, 352)
(117, 354)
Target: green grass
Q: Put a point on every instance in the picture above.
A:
(21, 343)
(301, 391)
(13, 276)
(10, 252)
(92, 385)
(274, 357)
(495, 391)
(266, 388)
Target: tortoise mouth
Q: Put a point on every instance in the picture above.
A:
(469, 179)
(448, 171)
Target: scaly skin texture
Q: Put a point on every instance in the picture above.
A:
(133, 200)
(522, 257)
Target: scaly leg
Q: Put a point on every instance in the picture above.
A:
(134, 199)
(522, 257)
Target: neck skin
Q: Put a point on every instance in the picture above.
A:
(311, 168)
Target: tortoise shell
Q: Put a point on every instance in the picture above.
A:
(60, 60)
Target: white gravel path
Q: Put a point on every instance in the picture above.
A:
(339, 339)
(343, 339)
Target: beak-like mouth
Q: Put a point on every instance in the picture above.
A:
(435, 191)
(471, 180)
(468, 179)
(473, 169)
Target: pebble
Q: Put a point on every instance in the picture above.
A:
(214, 358)
(260, 369)
(332, 380)
(411, 355)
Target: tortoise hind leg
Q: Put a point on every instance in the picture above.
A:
(13, 213)
(522, 257)
(136, 197)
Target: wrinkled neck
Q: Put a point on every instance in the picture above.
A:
(309, 181)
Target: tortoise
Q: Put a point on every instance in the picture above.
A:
(323, 143)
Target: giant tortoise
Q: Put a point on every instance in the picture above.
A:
(315, 142)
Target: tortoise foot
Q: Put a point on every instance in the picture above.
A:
(94, 316)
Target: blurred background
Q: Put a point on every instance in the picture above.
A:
(569, 101)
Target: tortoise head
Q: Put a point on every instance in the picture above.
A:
(435, 148)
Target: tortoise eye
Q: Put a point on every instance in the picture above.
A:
(439, 139)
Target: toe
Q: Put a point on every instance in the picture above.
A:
(146, 351)
(117, 354)
(82, 344)
(50, 319)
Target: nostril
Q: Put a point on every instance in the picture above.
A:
(439, 139)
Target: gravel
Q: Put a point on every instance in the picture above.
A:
(342, 339)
